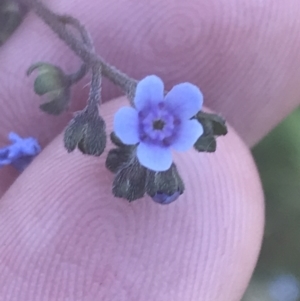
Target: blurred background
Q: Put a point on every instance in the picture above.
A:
(277, 275)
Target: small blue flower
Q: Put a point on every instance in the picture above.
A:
(20, 153)
(159, 123)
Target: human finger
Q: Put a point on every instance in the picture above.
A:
(227, 48)
(64, 236)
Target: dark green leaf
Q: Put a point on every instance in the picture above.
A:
(206, 144)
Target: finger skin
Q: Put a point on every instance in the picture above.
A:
(64, 237)
(242, 54)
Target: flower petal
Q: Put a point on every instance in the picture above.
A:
(185, 100)
(189, 132)
(149, 89)
(21, 163)
(154, 157)
(13, 137)
(126, 125)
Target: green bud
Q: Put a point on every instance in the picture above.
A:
(87, 132)
(54, 85)
(11, 16)
(50, 78)
(165, 182)
(56, 101)
(130, 181)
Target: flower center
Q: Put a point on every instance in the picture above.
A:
(158, 124)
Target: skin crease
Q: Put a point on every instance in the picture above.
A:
(64, 237)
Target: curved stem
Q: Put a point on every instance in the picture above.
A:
(69, 20)
(79, 74)
(87, 40)
(90, 58)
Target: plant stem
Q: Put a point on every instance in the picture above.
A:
(89, 57)
(79, 74)
(95, 90)
(87, 40)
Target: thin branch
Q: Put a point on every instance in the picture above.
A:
(95, 89)
(79, 74)
(69, 20)
(87, 40)
(90, 58)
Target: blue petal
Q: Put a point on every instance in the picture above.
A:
(29, 146)
(189, 132)
(21, 163)
(126, 125)
(149, 89)
(4, 159)
(4, 152)
(15, 151)
(154, 157)
(3, 163)
(14, 137)
(185, 100)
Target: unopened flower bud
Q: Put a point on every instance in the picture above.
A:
(87, 132)
(117, 157)
(166, 186)
(53, 85)
(120, 156)
(165, 199)
(130, 181)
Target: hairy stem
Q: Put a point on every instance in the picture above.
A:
(87, 40)
(95, 90)
(89, 57)
(69, 20)
(79, 74)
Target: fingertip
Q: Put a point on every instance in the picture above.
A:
(62, 204)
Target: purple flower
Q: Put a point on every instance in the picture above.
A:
(160, 123)
(20, 153)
